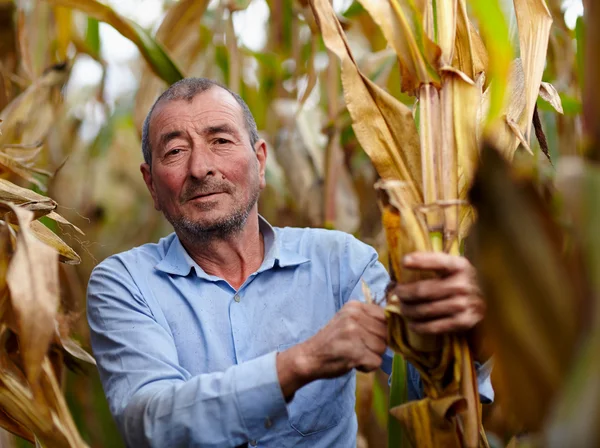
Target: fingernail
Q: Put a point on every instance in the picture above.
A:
(407, 259)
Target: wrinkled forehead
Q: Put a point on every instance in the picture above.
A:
(209, 107)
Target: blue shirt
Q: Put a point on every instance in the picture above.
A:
(186, 360)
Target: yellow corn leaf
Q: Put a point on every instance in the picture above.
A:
(384, 127)
(157, 58)
(431, 421)
(402, 26)
(32, 279)
(30, 200)
(534, 22)
(179, 33)
(549, 93)
(534, 326)
(63, 31)
(51, 239)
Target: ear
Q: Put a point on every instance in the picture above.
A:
(147, 175)
(260, 148)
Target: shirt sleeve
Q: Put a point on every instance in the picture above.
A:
(154, 400)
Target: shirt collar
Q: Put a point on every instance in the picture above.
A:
(178, 262)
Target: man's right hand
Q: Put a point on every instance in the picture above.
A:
(356, 337)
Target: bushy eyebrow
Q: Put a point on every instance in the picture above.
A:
(218, 129)
(168, 136)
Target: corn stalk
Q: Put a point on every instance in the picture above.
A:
(427, 168)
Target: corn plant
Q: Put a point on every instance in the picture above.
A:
(468, 89)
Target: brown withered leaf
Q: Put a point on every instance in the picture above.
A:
(30, 200)
(529, 293)
(32, 280)
(431, 420)
(384, 127)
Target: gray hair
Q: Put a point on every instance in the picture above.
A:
(186, 89)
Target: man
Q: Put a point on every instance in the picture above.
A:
(231, 332)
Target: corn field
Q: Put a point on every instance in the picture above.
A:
(465, 126)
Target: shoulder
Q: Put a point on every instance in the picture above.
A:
(138, 259)
(312, 242)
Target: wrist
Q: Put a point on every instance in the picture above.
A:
(294, 370)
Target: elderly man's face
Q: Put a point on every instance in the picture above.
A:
(205, 175)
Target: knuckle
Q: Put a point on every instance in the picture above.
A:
(462, 263)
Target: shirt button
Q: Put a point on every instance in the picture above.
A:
(253, 443)
(268, 423)
(236, 298)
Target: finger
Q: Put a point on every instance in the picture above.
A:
(374, 311)
(373, 326)
(436, 261)
(369, 363)
(375, 344)
(436, 288)
(452, 324)
(436, 309)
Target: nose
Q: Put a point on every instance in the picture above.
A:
(201, 162)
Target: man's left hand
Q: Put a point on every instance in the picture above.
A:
(449, 303)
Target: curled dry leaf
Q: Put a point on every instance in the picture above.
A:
(32, 280)
(549, 93)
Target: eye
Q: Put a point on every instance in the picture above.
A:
(173, 152)
(221, 141)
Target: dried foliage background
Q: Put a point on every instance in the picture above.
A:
(87, 144)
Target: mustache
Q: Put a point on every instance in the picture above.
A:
(201, 188)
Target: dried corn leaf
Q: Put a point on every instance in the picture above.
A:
(48, 417)
(29, 117)
(30, 200)
(32, 280)
(427, 432)
(534, 22)
(383, 126)
(549, 93)
(51, 239)
(470, 56)
(534, 323)
(402, 26)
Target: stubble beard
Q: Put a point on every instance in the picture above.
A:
(220, 229)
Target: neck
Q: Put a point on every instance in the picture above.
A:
(233, 257)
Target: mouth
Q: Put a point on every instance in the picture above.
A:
(205, 196)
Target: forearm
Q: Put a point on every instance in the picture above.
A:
(217, 409)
